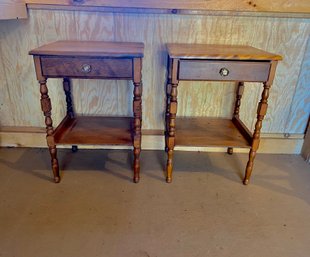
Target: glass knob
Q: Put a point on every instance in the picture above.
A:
(224, 72)
(86, 68)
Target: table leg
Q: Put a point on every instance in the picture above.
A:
(47, 108)
(172, 116)
(230, 150)
(137, 111)
(67, 89)
(168, 99)
(239, 93)
(261, 112)
(70, 112)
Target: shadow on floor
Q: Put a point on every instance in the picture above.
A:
(119, 163)
(195, 162)
(36, 160)
(269, 170)
(285, 174)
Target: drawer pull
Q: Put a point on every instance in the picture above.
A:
(86, 68)
(224, 72)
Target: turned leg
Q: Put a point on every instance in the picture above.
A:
(261, 112)
(70, 112)
(168, 90)
(239, 93)
(47, 108)
(171, 118)
(137, 111)
(168, 99)
(67, 89)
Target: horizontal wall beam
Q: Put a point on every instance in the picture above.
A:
(282, 8)
(12, 9)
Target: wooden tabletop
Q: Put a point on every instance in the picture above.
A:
(91, 48)
(231, 52)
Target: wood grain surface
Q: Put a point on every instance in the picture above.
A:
(98, 68)
(208, 132)
(302, 6)
(90, 48)
(213, 51)
(88, 130)
(287, 37)
(206, 70)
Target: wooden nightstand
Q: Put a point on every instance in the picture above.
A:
(216, 63)
(90, 60)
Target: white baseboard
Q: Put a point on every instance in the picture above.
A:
(35, 137)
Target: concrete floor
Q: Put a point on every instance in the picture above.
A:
(97, 211)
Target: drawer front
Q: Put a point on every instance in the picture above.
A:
(86, 67)
(224, 70)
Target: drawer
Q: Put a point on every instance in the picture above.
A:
(224, 70)
(86, 67)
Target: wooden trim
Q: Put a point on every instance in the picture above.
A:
(241, 8)
(12, 9)
(227, 5)
(23, 130)
(149, 132)
(151, 140)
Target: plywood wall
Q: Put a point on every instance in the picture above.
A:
(300, 108)
(20, 93)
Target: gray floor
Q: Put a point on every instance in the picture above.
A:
(97, 211)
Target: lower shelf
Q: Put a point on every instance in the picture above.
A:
(208, 132)
(94, 130)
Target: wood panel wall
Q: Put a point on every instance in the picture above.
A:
(285, 36)
(300, 108)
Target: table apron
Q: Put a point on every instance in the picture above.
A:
(87, 67)
(250, 71)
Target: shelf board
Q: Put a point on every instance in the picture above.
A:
(94, 130)
(208, 132)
